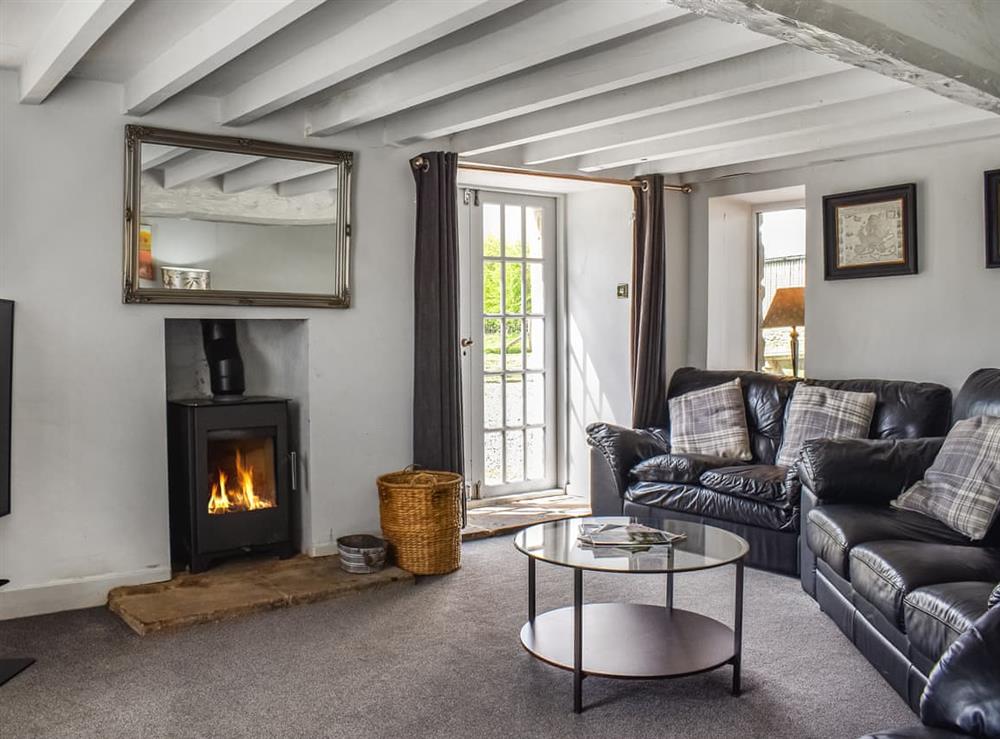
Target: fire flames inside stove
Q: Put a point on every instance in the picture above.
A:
(241, 475)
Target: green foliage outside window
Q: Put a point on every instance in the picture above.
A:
(518, 283)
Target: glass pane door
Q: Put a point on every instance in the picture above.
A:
(512, 382)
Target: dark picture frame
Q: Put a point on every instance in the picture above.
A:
(870, 233)
(992, 179)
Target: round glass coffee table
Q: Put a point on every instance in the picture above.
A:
(632, 640)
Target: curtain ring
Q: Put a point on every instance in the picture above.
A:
(421, 163)
(644, 186)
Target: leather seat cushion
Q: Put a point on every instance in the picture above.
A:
(677, 467)
(699, 501)
(833, 530)
(885, 572)
(938, 614)
(759, 481)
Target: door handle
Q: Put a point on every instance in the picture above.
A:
(466, 343)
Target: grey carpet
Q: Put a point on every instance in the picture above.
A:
(437, 659)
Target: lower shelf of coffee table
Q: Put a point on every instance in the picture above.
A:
(632, 640)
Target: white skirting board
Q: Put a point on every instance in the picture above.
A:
(66, 595)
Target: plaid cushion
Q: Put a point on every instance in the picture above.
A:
(962, 487)
(710, 421)
(823, 413)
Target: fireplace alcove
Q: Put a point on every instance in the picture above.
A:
(235, 462)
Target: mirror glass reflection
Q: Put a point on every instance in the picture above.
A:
(217, 220)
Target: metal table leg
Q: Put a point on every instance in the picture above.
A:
(531, 589)
(738, 629)
(578, 641)
(670, 591)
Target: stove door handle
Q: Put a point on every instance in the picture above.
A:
(293, 459)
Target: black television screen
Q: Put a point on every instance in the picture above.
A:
(6, 372)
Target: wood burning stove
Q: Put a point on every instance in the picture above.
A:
(232, 477)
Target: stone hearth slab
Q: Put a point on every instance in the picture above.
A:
(237, 588)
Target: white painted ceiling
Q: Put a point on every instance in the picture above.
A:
(615, 87)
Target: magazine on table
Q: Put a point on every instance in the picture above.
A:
(631, 535)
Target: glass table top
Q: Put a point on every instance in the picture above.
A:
(705, 547)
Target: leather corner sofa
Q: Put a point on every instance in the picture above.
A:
(962, 698)
(902, 586)
(756, 500)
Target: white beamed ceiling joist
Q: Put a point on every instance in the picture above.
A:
(269, 172)
(760, 70)
(685, 44)
(236, 28)
(388, 32)
(154, 155)
(536, 37)
(308, 184)
(202, 166)
(816, 92)
(888, 129)
(986, 128)
(683, 87)
(77, 26)
(911, 41)
(854, 114)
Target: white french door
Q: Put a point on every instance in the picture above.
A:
(509, 325)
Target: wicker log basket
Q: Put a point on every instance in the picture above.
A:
(421, 514)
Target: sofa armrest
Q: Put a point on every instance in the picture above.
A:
(873, 471)
(683, 468)
(963, 689)
(623, 448)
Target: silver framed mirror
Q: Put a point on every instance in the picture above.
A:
(220, 220)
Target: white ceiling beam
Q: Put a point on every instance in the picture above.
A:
(685, 44)
(849, 117)
(913, 41)
(309, 184)
(76, 27)
(153, 155)
(386, 33)
(851, 84)
(236, 28)
(541, 32)
(757, 71)
(202, 166)
(940, 116)
(975, 131)
(269, 172)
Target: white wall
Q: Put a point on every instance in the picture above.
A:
(938, 325)
(729, 288)
(89, 441)
(598, 258)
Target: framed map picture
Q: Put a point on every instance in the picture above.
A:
(870, 233)
(993, 218)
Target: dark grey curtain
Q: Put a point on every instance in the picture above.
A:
(646, 329)
(437, 369)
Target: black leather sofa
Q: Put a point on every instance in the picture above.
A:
(962, 698)
(757, 500)
(900, 585)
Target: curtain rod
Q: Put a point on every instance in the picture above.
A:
(472, 166)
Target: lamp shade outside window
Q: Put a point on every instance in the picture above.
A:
(788, 310)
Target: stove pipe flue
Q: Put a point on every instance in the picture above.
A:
(225, 366)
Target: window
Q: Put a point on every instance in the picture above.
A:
(781, 276)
